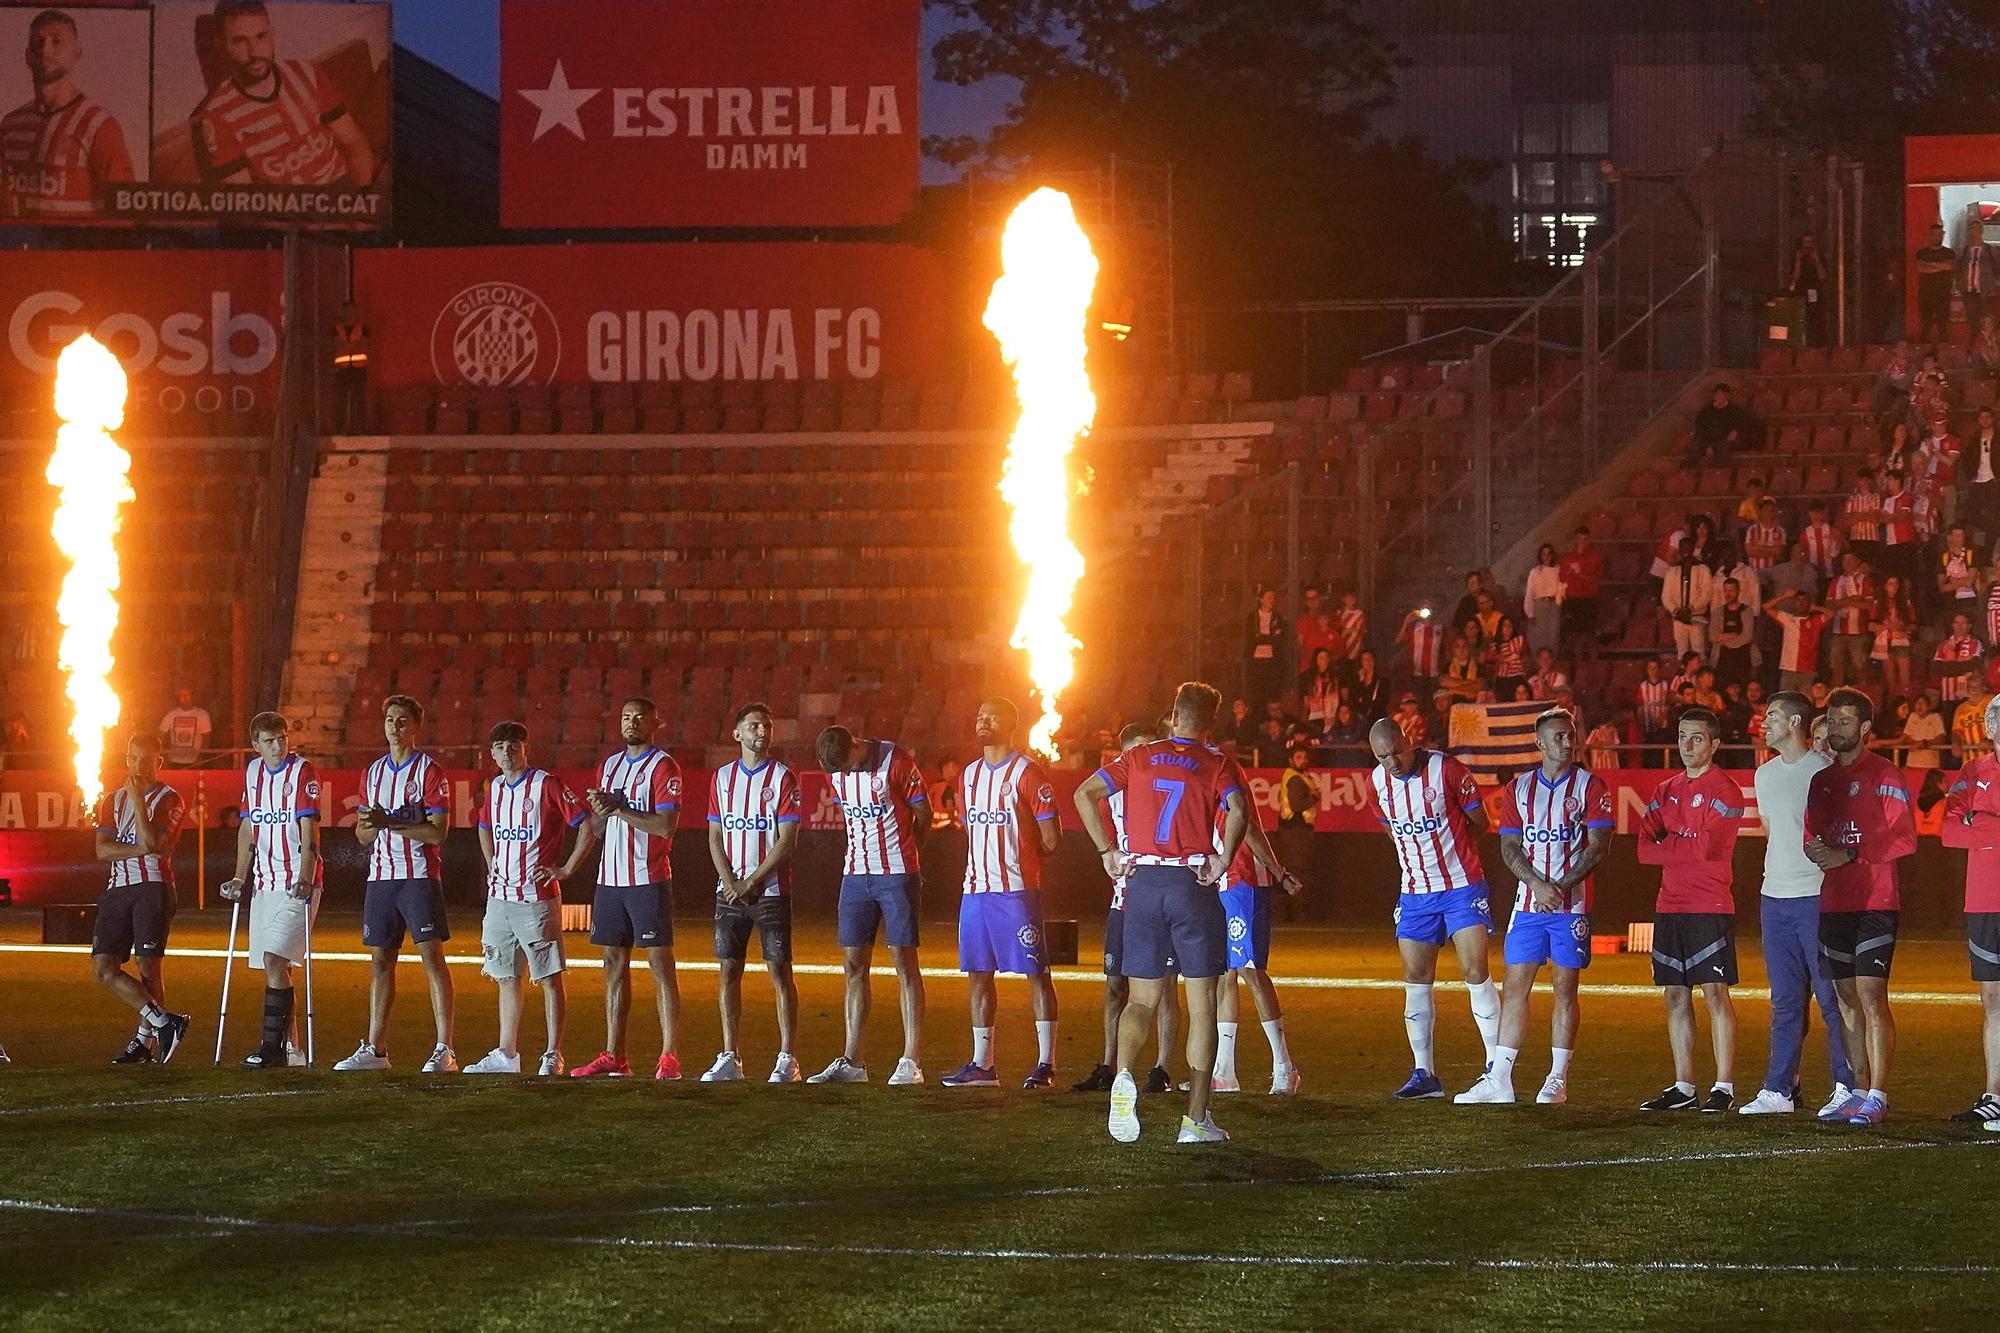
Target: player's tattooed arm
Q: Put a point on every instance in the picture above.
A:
(1596, 843)
(1542, 895)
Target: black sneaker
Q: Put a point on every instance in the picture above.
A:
(1158, 1081)
(1672, 1099)
(1982, 1112)
(167, 1037)
(1099, 1080)
(136, 1052)
(1718, 1101)
(266, 1057)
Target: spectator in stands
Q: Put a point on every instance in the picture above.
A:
(1897, 447)
(1728, 565)
(1886, 734)
(1993, 603)
(1986, 346)
(1654, 695)
(1274, 711)
(1510, 659)
(1350, 625)
(1241, 727)
(1851, 599)
(351, 346)
(1687, 594)
(1486, 620)
(1893, 622)
(1978, 278)
(185, 731)
(1315, 628)
(1764, 538)
(1732, 627)
(1981, 457)
(1701, 536)
(1409, 719)
(1802, 623)
(1544, 598)
(1892, 382)
(1899, 527)
(1956, 578)
(1468, 603)
(1822, 541)
(1861, 516)
(1426, 640)
(1746, 508)
(1264, 668)
(1808, 283)
(1720, 429)
(1735, 717)
(1549, 678)
(1463, 676)
(1604, 740)
(1930, 392)
(1319, 690)
(945, 812)
(1968, 725)
(1690, 666)
(1365, 691)
(1439, 722)
(1955, 662)
(1923, 733)
(1347, 737)
(1581, 569)
(1934, 263)
(1271, 745)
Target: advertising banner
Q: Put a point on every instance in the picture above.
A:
(707, 113)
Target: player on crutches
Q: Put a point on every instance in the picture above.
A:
(277, 863)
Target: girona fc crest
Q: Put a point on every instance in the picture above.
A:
(1006, 793)
(1572, 810)
(1854, 789)
(495, 333)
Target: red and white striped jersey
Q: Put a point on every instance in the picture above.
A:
(1117, 803)
(750, 804)
(52, 162)
(647, 782)
(417, 790)
(877, 799)
(526, 819)
(1426, 649)
(1823, 548)
(1850, 619)
(1425, 814)
(1553, 821)
(282, 139)
(1351, 624)
(115, 820)
(274, 801)
(1001, 803)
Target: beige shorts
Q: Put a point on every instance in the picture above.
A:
(278, 925)
(513, 929)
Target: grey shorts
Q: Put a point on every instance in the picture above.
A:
(513, 929)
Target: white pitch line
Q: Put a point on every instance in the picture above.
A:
(164, 1101)
(1610, 989)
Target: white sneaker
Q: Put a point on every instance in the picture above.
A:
(294, 1057)
(1841, 1092)
(726, 1069)
(908, 1074)
(444, 1060)
(364, 1057)
(1216, 1084)
(1555, 1091)
(1767, 1102)
(1285, 1081)
(1204, 1130)
(842, 1070)
(495, 1061)
(785, 1071)
(1488, 1091)
(552, 1065)
(4, 1059)
(1124, 1121)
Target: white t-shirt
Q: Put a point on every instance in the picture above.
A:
(1922, 734)
(187, 731)
(1781, 802)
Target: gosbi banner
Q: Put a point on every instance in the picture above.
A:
(44, 801)
(707, 113)
(577, 314)
(197, 330)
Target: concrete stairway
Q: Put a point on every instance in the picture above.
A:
(342, 547)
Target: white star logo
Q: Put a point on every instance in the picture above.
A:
(557, 105)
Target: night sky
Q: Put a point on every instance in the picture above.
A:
(464, 37)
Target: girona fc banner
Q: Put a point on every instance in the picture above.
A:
(577, 314)
(707, 113)
(197, 330)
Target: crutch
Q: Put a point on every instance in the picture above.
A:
(310, 904)
(228, 966)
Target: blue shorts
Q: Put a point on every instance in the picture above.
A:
(1173, 922)
(633, 916)
(1114, 942)
(1433, 918)
(1247, 909)
(1562, 938)
(867, 901)
(1001, 932)
(389, 905)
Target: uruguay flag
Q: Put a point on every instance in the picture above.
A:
(1495, 741)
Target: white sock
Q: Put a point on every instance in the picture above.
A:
(982, 1047)
(1281, 1053)
(152, 1016)
(1486, 1013)
(1503, 1064)
(1879, 1095)
(1559, 1063)
(1419, 1016)
(1685, 1089)
(1045, 1041)
(1225, 1050)
(1729, 1088)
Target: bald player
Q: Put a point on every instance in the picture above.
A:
(137, 827)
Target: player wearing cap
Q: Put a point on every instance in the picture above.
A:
(1972, 821)
(1009, 807)
(1689, 829)
(1430, 806)
(521, 826)
(753, 829)
(137, 827)
(1555, 826)
(881, 793)
(404, 817)
(635, 808)
(278, 865)
(1858, 825)
(1253, 875)
(1117, 988)
(1173, 908)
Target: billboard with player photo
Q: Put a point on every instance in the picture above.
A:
(268, 113)
(77, 118)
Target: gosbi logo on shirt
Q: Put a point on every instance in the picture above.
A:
(1406, 828)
